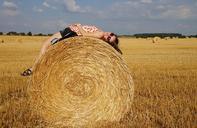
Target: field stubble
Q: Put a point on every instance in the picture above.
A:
(164, 73)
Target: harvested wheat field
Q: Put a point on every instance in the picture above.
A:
(164, 75)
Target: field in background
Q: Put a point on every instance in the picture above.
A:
(164, 73)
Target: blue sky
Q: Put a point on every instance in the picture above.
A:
(119, 16)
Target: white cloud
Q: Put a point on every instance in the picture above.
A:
(152, 10)
(37, 9)
(179, 12)
(139, 1)
(8, 4)
(125, 10)
(10, 8)
(146, 1)
(72, 6)
(46, 4)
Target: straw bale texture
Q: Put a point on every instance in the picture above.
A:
(81, 81)
(156, 39)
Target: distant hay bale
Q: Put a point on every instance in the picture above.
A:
(167, 38)
(2, 41)
(156, 39)
(81, 81)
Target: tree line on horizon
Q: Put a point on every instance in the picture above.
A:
(12, 33)
(139, 35)
(161, 35)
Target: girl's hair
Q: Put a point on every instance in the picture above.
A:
(115, 44)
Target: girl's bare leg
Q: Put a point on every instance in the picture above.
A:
(45, 46)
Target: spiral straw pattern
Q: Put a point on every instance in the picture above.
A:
(81, 81)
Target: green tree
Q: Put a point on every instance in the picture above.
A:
(29, 34)
(12, 33)
(22, 34)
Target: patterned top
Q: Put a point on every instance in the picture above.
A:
(86, 28)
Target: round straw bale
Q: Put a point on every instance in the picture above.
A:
(156, 39)
(167, 38)
(81, 81)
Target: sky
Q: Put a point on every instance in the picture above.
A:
(119, 16)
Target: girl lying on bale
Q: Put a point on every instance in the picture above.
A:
(76, 30)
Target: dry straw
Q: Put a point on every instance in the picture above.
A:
(156, 39)
(81, 81)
